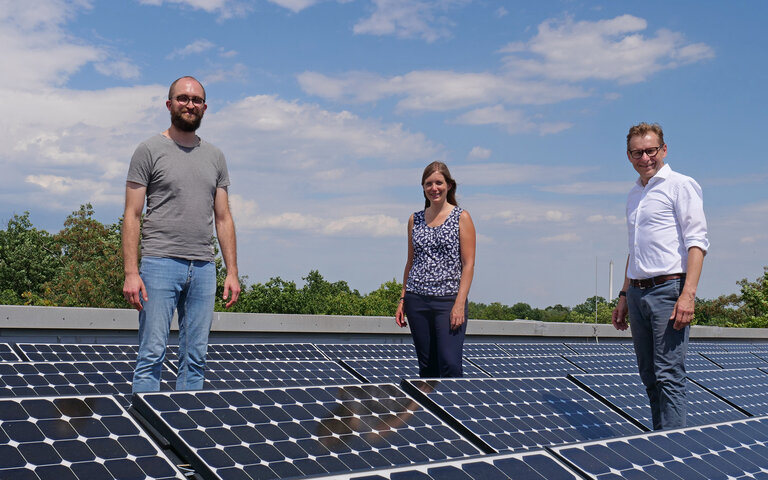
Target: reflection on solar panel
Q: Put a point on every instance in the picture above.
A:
(543, 366)
(626, 393)
(263, 351)
(336, 351)
(744, 388)
(7, 354)
(392, 370)
(704, 347)
(600, 348)
(75, 352)
(286, 373)
(527, 349)
(296, 432)
(736, 360)
(88, 437)
(613, 363)
(536, 465)
(695, 362)
(520, 414)
(483, 350)
(72, 378)
(734, 450)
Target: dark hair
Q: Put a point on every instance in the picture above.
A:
(441, 168)
(170, 90)
(642, 129)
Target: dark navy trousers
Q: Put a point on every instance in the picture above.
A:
(438, 348)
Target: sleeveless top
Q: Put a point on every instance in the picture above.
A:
(436, 268)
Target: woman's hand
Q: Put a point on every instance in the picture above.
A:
(457, 316)
(400, 314)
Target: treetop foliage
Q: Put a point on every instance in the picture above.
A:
(82, 266)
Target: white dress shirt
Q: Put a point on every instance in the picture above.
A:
(665, 218)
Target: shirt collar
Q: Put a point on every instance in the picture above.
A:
(662, 174)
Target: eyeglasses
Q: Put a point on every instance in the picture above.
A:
(651, 152)
(185, 99)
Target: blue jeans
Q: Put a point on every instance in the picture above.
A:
(438, 348)
(188, 286)
(660, 351)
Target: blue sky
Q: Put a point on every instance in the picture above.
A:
(327, 112)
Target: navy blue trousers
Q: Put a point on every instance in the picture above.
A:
(438, 348)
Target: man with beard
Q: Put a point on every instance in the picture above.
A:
(184, 180)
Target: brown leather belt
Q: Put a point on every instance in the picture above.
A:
(652, 282)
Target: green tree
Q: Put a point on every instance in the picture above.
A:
(28, 259)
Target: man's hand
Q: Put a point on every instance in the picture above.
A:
(231, 290)
(619, 315)
(134, 290)
(682, 314)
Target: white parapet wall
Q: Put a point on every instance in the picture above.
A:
(13, 317)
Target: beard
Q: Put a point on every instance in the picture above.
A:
(183, 124)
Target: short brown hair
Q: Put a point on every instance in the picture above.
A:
(170, 90)
(642, 129)
(441, 168)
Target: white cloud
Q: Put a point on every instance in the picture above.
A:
(237, 72)
(589, 188)
(562, 238)
(409, 19)
(295, 5)
(194, 48)
(513, 121)
(124, 69)
(85, 190)
(613, 49)
(606, 219)
(224, 8)
(476, 174)
(479, 153)
(501, 12)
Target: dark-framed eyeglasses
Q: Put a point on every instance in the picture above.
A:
(651, 152)
(185, 99)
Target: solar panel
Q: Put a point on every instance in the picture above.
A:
(263, 351)
(393, 370)
(744, 388)
(528, 349)
(613, 363)
(80, 437)
(264, 373)
(733, 450)
(626, 393)
(297, 432)
(745, 347)
(483, 350)
(695, 362)
(72, 378)
(336, 351)
(536, 465)
(600, 348)
(517, 414)
(538, 366)
(704, 347)
(76, 352)
(7, 354)
(736, 360)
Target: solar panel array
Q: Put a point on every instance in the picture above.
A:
(336, 411)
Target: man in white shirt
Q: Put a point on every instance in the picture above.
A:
(667, 245)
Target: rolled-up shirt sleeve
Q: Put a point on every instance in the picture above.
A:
(689, 209)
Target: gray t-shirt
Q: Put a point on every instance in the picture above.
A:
(181, 186)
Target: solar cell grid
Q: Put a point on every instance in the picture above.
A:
(264, 373)
(745, 347)
(733, 450)
(393, 370)
(744, 388)
(627, 394)
(263, 351)
(537, 465)
(336, 351)
(736, 360)
(704, 347)
(695, 362)
(298, 432)
(517, 414)
(81, 437)
(529, 349)
(483, 350)
(538, 366)
(72, 378)
(600, 348)
(77, 352)
(613, 363)
(7, 354)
